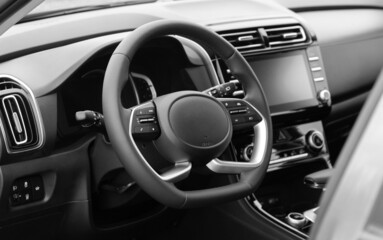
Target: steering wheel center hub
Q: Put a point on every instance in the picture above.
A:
(195, 127)
(199, 121)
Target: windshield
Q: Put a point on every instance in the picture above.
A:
(62, 5)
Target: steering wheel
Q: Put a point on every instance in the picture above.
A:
(187, 127)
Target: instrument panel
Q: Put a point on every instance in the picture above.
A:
(155, 71)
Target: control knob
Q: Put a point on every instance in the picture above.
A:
(324, 96)
(315, 140)
(247, 152)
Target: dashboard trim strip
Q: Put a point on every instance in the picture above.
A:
(291, 158)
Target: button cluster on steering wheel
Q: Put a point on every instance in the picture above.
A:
(242, 114)
(145, 124)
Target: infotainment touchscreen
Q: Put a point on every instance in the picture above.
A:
(286, 81)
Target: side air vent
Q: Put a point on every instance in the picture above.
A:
(285, 35)
(21, 124)
(15, 111)
(6, 84)
(245, 40)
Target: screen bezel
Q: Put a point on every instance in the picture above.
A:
(295, 105)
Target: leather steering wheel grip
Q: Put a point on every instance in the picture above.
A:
(117, 118)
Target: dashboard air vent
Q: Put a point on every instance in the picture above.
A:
(260, 39)
(21, 124)
(6, 84)
(16, 117)
(245, 40)
(285, 35)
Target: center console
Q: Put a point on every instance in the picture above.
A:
(289, 66)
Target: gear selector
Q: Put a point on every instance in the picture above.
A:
(318, 180)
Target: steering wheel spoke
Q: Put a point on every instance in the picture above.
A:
(259, 150)
(177, 173)
(143, 126)
(244, 116)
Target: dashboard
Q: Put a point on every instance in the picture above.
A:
(316, 69)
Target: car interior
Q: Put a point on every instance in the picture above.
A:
(190, 119)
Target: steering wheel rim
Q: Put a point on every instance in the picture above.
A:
(118, 120)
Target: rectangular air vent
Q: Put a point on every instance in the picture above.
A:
(285, 35)
(15, 119)
(18, 122)
(252, 40)
(245, 40)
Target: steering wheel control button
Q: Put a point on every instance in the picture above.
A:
(154, 129)
(145, 124)
(147, 120)
(243, 110)
(146, 111)
(243, 115)
(228, 104)
(223, 90)
(27, 190)
(139, 130)
(237, 120)
(253, 118)
(146, 129)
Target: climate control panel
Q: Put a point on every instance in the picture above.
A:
(291, 146)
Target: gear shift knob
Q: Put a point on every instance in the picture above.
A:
(318, 179)
(296, 220)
